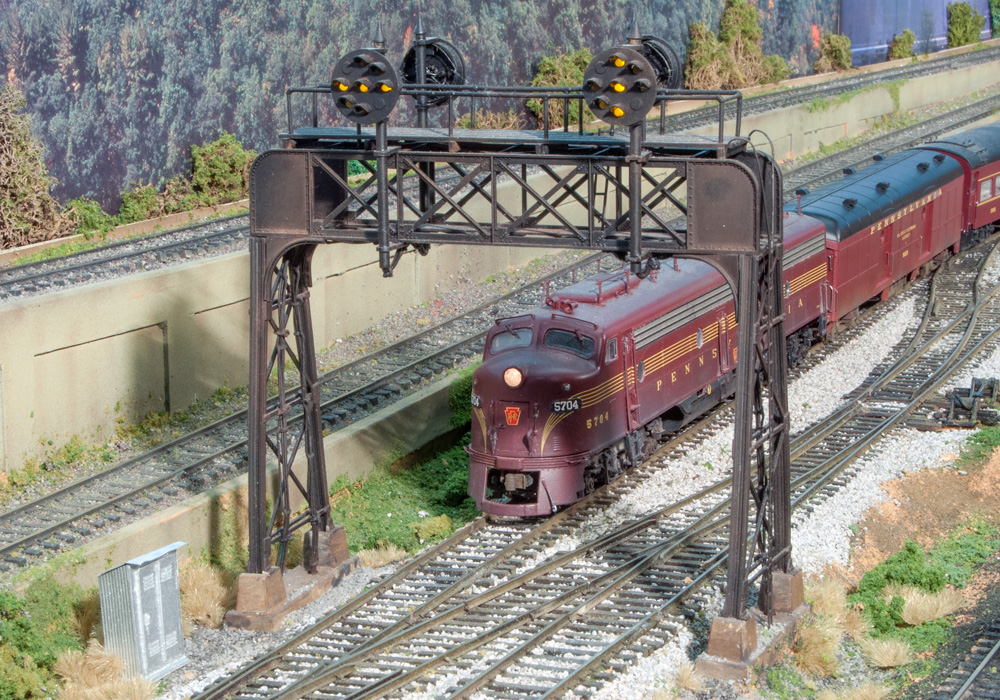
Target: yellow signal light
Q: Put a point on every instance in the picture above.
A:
(361, 86)
(617, 111)
(617, 61)
(617, 86)
(384, 87)
(340, 85)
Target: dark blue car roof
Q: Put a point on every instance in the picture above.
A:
(867, 196)
(978, 147)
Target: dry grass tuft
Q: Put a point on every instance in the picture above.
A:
(814, 650)
(856, 625)
(688, 678)
(886, 653)
(87, 617)
(97, 674)
(827, 694)
(205, 595)
(664, 694)
(381, 556)
(923, 607)
(868, 691)
(829, 598)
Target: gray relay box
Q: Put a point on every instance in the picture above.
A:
(141, 613)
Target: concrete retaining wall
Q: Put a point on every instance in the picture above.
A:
(78, 361)
(218, 518)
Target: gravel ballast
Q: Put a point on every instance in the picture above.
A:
(820, 538)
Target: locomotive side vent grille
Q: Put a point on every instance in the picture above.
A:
(813, 246)
(671, 321)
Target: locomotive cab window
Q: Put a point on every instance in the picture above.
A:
(985, 190)
(510, 338)
(570, 342)
(612, 352)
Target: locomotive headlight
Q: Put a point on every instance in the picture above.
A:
(513, 377)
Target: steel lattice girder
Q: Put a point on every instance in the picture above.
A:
(730, 217)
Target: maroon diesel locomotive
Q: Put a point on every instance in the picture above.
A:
(574, 391)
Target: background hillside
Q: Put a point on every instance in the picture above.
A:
(119, 90)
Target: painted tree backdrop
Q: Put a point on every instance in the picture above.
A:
(119, 90)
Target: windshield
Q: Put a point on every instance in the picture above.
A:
(570, 341)
(510, 338)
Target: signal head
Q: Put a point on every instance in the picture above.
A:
(366, 86)
(617, 86)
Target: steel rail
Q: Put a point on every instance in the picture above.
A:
(8, 518)
(398, 681)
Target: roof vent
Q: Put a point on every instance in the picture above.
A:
(877, 157)
(849, 171)
(882, 187)
(939, 158)
(922, 167)
(849, 203)
(802, 191)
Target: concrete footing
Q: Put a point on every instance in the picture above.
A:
(735, 651)
(264, 600)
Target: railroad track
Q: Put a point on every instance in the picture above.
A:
(229, 234)
(215, 237)
(509, 610)
(978, 674)
(830, 89)
(215, 452)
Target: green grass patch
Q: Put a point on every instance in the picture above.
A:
(35, 628)
(980, 445)
(951, 562)
(458, 397)
(958, 556)
(386, 506)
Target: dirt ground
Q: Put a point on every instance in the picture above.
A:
(925, 507)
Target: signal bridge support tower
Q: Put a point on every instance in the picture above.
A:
(633, 190)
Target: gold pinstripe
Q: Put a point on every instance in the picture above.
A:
(807, 278)
(668, 355)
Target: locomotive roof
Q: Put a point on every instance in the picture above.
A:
(863, 198)
(664, 289)
(978, 147)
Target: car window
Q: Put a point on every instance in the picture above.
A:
(985, 190)
(571, 342)
(510, 338)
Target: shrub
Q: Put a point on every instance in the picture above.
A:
(138, 204)
(28, 213)
(834, 54)
(561, 70)
(459, 397)
(220, 172)
(733, 59)
(88, 217)
(964, 24)
(901, 46)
